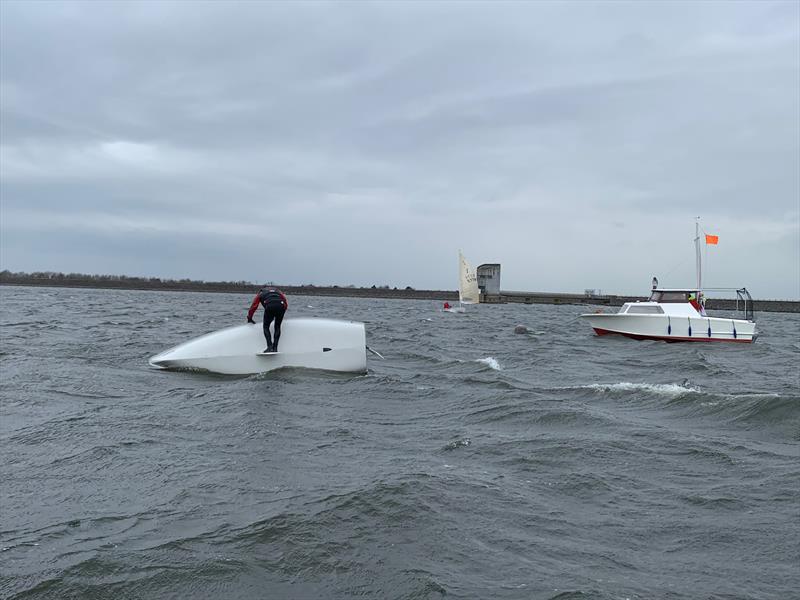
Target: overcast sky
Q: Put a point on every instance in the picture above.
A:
(365, 143)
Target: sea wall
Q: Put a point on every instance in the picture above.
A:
(789, 306)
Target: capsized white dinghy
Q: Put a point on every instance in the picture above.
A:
(327, 344)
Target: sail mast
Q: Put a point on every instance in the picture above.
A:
(460, 274)
(697, 251)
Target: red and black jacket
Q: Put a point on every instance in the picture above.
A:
(269, 298)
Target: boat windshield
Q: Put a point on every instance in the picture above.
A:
(664, 297)
(647, 309)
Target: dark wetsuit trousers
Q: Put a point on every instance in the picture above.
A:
(276, 313)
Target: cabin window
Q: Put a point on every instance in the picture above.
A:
(646, 310)
(669, 297)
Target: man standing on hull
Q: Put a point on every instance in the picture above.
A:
(275, 304)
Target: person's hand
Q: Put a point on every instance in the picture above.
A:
(251, 321)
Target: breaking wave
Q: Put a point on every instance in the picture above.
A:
(490, 362)
(668, 390)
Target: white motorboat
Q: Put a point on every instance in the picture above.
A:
(678, 315)
(468, 291)
(669, 315)
(327, 344)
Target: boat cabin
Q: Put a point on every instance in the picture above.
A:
(665, 302)
(671, 296)
(682, 302)
(674, 309)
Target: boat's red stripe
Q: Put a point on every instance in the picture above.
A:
(671, 338)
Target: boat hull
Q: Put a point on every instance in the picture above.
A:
(325, 344)
(673, 329)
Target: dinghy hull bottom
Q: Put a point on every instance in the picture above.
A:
(325, 344)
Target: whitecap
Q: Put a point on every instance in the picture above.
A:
(490, 362)
(671, 390)
(753, 396)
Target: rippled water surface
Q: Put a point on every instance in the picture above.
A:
(472, 462)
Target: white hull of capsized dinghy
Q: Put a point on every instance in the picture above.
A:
(326, 344)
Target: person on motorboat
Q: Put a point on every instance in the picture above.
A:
(698, 305)
(275, 304)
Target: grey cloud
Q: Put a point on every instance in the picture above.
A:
(410, 129)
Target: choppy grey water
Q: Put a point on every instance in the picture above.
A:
(471, 463)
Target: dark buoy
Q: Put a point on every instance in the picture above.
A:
(521, 329)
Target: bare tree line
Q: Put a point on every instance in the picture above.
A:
(55, 278)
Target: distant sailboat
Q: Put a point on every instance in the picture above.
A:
(468, 291)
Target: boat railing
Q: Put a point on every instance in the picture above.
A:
(744, 301)
(743, 296)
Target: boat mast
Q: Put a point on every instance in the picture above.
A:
(460, 268)
(697, 251)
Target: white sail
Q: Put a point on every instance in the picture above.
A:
(468, 292)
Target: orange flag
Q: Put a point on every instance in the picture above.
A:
(712, 239)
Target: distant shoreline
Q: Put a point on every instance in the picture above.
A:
(788, 306)
(224, 287)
